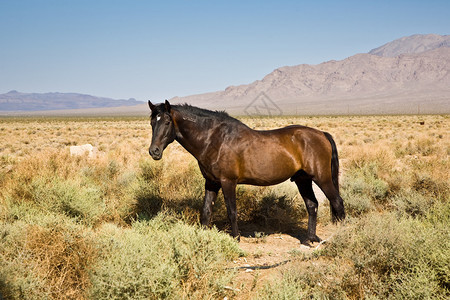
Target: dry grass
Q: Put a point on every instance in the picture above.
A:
(47, 260)
(60, 216)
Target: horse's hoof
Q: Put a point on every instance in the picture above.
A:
(306, 243)
(311, 239)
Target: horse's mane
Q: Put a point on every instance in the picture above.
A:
(205, 113)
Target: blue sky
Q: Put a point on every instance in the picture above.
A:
(160, 49)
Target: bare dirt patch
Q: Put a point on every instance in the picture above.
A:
(267, 256)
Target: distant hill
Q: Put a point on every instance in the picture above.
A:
(16, 101)
(374, 83)
(417, 43)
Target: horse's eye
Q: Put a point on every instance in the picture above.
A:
(167, 122)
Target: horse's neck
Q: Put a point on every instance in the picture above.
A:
(189, 133)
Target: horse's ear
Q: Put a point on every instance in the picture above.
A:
(152, 107)
(167, 104)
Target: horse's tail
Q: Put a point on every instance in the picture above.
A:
(334, 161)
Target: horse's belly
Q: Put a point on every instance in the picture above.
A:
(265, 171)
(262, 181)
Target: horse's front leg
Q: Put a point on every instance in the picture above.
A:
(229, 193)
(211, 190)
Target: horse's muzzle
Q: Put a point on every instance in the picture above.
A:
(155, 153)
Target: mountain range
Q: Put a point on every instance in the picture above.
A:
(16, 101)
(408, 75)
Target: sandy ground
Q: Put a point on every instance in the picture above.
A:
(267, 256)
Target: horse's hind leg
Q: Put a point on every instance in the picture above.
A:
(336, 202)
(211, 190)
(305, 187)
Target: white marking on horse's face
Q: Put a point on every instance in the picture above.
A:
(158, 117)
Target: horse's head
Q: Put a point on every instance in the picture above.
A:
(163, 130)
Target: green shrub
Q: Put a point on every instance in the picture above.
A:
(391, 254)
(412, 203)
(365, 180)
(356, 204)
(363, 189)
(83, 202)
(161, 259)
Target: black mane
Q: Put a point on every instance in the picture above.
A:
(205, 113)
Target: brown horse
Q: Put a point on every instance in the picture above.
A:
(230, 153)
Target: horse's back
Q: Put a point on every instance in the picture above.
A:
(297, 136)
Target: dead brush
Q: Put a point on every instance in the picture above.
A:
(48, 261)
(61, 259)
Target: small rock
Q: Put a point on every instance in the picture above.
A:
(304, 247)
(81, 150)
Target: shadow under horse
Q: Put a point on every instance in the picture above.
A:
(230, 153)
